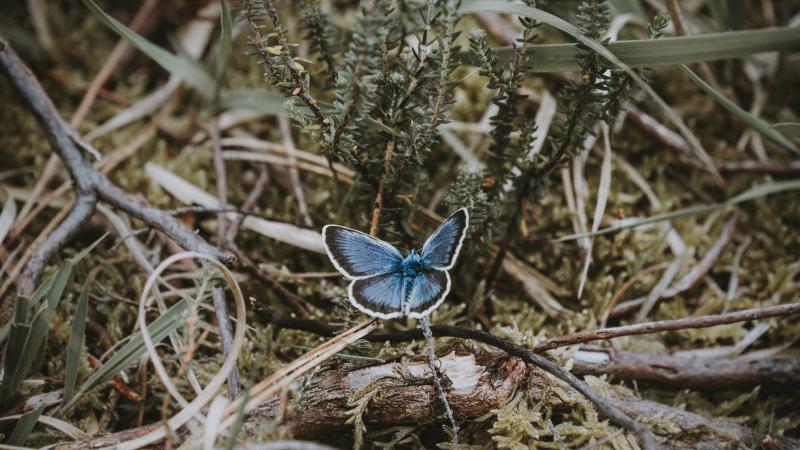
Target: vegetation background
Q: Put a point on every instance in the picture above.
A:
(646, 175)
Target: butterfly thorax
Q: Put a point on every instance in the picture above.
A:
(412, 265)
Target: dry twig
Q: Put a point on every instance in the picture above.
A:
(90, 185)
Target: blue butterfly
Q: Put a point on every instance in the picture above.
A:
(387, 285)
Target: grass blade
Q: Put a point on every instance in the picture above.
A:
(82, 254)
(662, 52)
(18, 329)
(134, 348)
(37, 332)
(755, 192)
(225, 46)
(75, 344)
(198, 79)
(790, 128)
(754, 122)
(24, 427)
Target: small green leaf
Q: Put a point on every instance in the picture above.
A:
(75, 344)
(24, 427)
(754, 122)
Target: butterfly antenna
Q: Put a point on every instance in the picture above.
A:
(426, 331)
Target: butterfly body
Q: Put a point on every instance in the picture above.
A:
(386, 284)
(412, 265)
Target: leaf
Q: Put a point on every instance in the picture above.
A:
(257, 100)
(754, 122)
(75, 344)
(134, 348)
(225, 49)
(790, 128)
(663, 52)
(753, 193)
(24, 427)
(181, 67)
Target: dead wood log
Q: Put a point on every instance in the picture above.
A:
(403, 395)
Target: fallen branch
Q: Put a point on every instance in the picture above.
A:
(688, 373)
(90, 185)
(480, 382)
(645, 437)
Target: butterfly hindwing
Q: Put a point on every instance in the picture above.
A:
(442, 247)
(379, 296)
(359, 255)
(428, 291)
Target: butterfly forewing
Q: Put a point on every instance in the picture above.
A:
(442, 247)
(381, 295)
(359, 255)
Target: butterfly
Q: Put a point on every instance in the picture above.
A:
(385, 284)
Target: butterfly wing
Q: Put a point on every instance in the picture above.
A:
(441, 249)
(428, 291)
(379, 296)
(358, 255)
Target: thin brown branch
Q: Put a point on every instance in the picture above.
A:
(387, 164)
(758, 167)
(746, 315)
(290, 299)
(293, 301)
(212, 128)
(217, 293)
(258, 188)
(89, 184)
(669, 325)
(80, 213)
